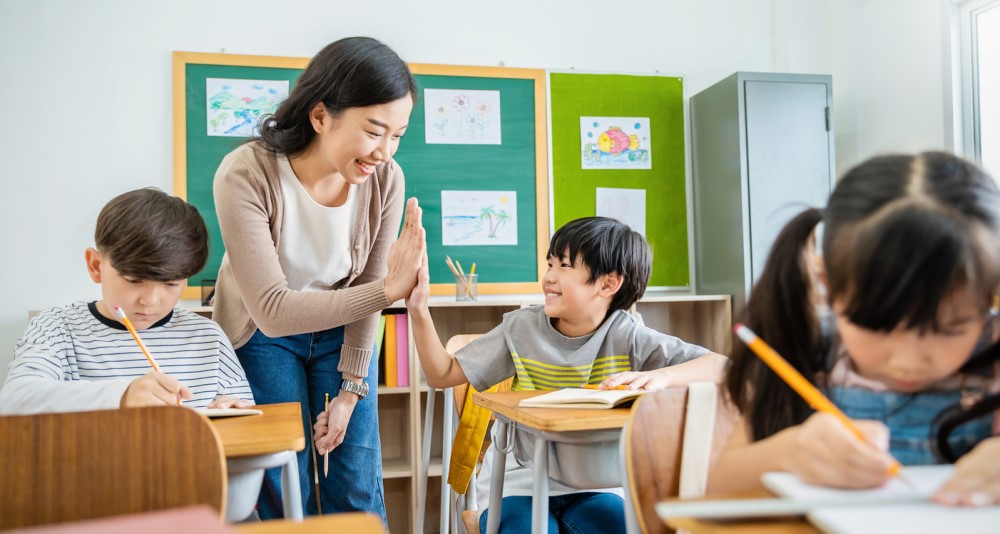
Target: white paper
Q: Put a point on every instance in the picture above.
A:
(461, 117)
(626, 205)
(478, 218)
(925, 480)
(234, 106)
(213, 413)
(889, 518)
(615, 143)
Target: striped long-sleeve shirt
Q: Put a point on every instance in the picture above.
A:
(72, 358)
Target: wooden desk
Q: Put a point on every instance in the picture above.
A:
(279, 429)
(253, 443)
(352, 522)
(763, 525)
(583, 427)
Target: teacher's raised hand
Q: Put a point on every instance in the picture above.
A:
(406, 254)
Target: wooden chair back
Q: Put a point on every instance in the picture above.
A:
(87, 465)
(653, 444)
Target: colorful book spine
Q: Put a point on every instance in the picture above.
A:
(402, 352)
(379, 337)
(391, 378)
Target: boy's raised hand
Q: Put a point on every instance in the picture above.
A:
(417, 299)
(976, 480)
(826, 453)
(154, 389)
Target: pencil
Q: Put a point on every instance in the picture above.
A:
(135, 336)
(468, 285)
(797, 382)
(597, 386)
(326, 455)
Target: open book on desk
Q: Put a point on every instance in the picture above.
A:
(582, 398)
(213, 413)
(895, 507)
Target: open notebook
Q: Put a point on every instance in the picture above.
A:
(895, 507)
(582, 398)
(213, 413)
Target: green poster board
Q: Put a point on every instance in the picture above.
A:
(660, 99)
(518, 164)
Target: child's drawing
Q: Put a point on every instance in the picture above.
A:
(615, 143)
(626, 205)
(462, 117)
(479, 217)
(234, 106)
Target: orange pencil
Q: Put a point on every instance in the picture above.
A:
(597, 386)
(797, 382)
(135, 336)
(138, 341)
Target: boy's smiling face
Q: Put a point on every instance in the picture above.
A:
(144, 301)
(577, 306)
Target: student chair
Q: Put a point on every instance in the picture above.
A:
(669, 442)
(465, 437)
(86, 465)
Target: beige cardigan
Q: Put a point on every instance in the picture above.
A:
(251, 291)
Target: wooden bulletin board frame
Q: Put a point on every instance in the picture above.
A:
(482, 167)
(660, 99)
(196, 157)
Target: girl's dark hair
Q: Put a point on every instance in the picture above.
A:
(902, 233)
(607, 246)
(349, 73)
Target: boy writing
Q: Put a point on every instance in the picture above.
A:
(598, 267)
(80, 357)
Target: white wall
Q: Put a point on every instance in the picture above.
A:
(86, 92)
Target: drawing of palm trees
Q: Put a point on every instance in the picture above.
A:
(495, 218)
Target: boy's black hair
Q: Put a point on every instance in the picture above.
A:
(147, 234)
(607, 246)
(350, 73)
(902, 233)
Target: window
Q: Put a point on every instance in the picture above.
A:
(979, 45)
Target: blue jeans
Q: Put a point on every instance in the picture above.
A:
(575, 513)
(302, 368)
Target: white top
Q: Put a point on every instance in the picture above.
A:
(315, 246)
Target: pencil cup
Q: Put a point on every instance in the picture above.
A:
(467, 288)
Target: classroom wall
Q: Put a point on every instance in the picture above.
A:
(87, 109)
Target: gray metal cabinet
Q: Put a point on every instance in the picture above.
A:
(762, 151)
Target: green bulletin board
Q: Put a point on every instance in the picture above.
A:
(518, 164)
(574, 188)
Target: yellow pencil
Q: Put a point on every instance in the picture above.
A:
(138, 341)
(135, 335)
(598, 386)
(326, 455)
(797, 382)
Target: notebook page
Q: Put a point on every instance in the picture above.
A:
(926, 479)
(888, 518)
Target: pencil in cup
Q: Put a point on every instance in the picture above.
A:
(799, 384)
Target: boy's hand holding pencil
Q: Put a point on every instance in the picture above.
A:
(154, 389)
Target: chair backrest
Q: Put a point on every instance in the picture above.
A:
(86, 465)
(653, 444)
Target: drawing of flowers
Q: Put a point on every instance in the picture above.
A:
(460, 103)
(442, 119)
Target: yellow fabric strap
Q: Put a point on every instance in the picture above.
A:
(472, 426)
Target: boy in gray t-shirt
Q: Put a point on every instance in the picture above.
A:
(598, 268)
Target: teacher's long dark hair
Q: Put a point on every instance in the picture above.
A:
(349, 73)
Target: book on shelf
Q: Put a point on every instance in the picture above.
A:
(899, 506)
(391, 378)
(402, 351)
(379, 337)
(582, 398)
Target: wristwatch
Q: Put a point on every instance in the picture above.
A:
(359, 389)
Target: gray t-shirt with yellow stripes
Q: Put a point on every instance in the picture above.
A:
(526, 345)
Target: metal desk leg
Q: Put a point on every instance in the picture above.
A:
(291, 493)
(496, 478)
(540, 494)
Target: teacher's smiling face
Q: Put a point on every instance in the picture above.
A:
(357, 140)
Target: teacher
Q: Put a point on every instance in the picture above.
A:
(309, 210)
